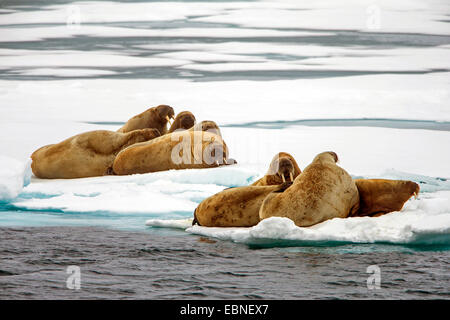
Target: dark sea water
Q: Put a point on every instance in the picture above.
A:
(156, 264)
(144, 265)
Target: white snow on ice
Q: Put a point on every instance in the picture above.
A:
(154, 193)
(14, 175)
(420, 97)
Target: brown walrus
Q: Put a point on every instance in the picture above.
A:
(88, 154)
(381, 196)
(282, 168)
(322, 191)
(156, 117)
(207, 125)
(187, 149)
(183, 121)
(234, 207)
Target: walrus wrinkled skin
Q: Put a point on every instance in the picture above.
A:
(322, 191)
(381, 196)
(186, 149)
(156, 118)
(283, 168)
(88, 154)
(183, 121)
(234, 207)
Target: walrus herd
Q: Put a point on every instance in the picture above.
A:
(143, 144)
(322, 191)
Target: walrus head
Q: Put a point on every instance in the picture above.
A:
(327, 156)
(184, 120)
(283, 169)
(414, 188)
(335, 156)
(165, 113)
(208, 126)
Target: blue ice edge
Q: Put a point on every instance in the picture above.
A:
(422, 242)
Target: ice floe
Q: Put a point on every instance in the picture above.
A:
(425, 221)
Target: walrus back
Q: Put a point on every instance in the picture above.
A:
(87, 154)
(329, 192)
(322, 191)
(178, 150)
(233, 207)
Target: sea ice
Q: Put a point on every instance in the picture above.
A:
(14, 175)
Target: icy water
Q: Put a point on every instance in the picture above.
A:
(119, 257)
(139, 265)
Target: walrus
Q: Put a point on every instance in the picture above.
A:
(187, 149)
(234, 207)
(381, 196)
(282, 168)
(183, 121)
(322, 191)
(207, 125)
(377, 196)
(156, 117)
(87, 154)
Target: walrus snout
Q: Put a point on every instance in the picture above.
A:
(165, 112)
(407, 189)
(286, 170)
(286, 176)
(414, 188)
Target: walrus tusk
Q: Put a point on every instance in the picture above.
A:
(292, 177)
(168, 120)
(282, 177)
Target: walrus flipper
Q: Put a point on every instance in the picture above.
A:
(283, 187)
(110, 171)
(195, 221)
